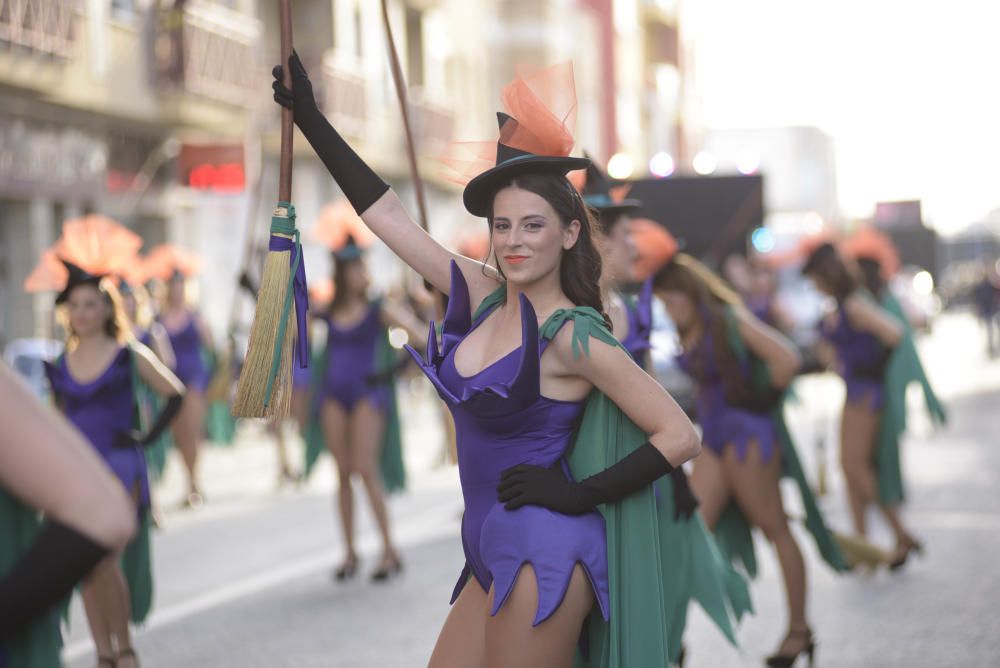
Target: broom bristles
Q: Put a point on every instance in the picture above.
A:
(858, 551)
(252, 388)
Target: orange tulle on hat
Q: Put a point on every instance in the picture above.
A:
(654, 245)
(536, 134)
(542, 104)
(871, 244)
(337, 224)
(168, 259)
(95, 244)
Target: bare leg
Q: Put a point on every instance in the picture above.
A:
(367, 426)
(755, 486)
(334, 421)
(512, 641)
(187, 432)
(100, 631)
(858, 430)
(462, 641)
(710, 487)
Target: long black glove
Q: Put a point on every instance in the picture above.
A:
(524, 485)
(685, 502)
(44, 575)
(360, 184)
(163, 420)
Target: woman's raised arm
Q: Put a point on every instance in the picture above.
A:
(371, 197)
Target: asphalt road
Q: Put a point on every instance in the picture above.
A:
(246, 580)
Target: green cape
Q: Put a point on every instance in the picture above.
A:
(391, 459)
(647, 604)
(40, 644)
(220, 425)
(733, 530)
(904, 367)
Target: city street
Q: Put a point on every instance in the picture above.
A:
(245, 581)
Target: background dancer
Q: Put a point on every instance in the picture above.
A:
(94, 383)
(743, 459)
(871, 350)
(189, 338)
(355, 398)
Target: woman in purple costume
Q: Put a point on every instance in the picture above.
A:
(862, 336)
(93, 385)
(353, 401)
(188, 337)
(741, 461)
(761, 298)
(515, 381)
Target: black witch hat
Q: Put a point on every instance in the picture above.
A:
(598, 192)
(510, 162)
(349, 251)
(77, 276)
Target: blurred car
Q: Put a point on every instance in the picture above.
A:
(25, 356)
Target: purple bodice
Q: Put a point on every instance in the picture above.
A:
(721, 423)
(104, 409)
(189, 364)
(351, 358)
(640, 322)
(855, 350)
(501, 420)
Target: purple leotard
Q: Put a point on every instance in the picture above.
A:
(640, 322)
(351, 359)
(189, 366)
(854, 350)
(501, 420)
(721, 423)
(762, 308)
(102, 409)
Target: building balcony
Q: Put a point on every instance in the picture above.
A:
(206, 50)
(44, 27)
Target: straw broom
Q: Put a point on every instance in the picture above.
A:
(264, 388)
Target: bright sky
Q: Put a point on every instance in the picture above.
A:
(909, 89)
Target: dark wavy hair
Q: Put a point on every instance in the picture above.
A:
(340, 296)
(827, 264)
(710, 297)
(580, 267)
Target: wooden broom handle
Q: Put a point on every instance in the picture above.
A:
(287, 117)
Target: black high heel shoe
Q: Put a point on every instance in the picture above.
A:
(347, 570)
(387, 570)
(911, 545)
(788, 660)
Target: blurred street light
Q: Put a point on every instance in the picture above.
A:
(620, 166)
(747, 163)
(704, 163)
(661, 165)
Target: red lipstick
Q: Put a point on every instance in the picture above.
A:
(515, 259)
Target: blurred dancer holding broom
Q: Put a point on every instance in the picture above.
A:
(877, 360)
(741, 368)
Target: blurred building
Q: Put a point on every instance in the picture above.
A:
(97, 97)
(160, 115)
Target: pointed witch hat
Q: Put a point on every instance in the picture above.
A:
(536, 136)
(609, 199)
